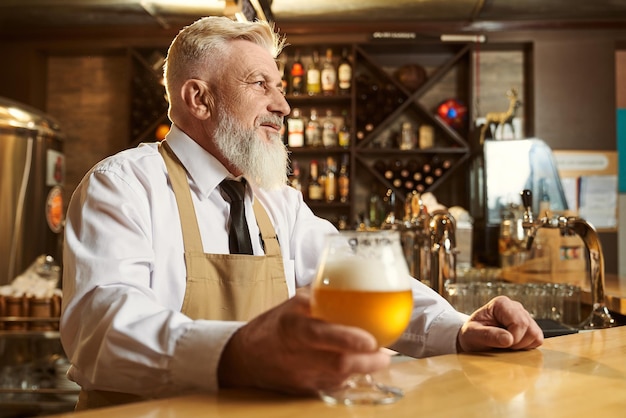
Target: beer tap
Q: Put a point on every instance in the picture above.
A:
(443, 250)
(600, 317)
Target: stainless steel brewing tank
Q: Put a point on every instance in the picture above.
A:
(32, 173)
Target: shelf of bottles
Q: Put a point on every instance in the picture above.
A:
(390, 113)
(148, 102)
(318, 86)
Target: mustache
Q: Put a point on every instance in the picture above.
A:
(270, 119)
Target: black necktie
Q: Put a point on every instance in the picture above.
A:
(238, 234)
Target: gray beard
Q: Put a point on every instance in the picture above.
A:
(262, 163)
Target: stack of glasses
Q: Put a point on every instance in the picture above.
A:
(556, 301)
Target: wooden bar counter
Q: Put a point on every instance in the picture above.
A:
(578, 375)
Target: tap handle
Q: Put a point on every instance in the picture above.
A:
(527, 199)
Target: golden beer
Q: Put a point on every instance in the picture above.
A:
(384, 314)
(363, 281)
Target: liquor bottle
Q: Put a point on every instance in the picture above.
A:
(315, 191)
(344, 73)
(408, 138)
(313, 132)
(294, 176)
(343, 182)
(295, 129)
(282, 67)
(297, 75)
(330, 184)
(343, 136)
(321, 176)
(329, 75)
(380, 167)
(329, 132)
(313, 76)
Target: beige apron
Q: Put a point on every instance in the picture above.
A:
(224, 287)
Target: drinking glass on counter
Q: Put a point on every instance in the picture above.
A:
(363, 281)
(560, 302)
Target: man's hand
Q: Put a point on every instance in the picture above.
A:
(285, 349)
(501, 323)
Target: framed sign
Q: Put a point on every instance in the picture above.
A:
(589, 179)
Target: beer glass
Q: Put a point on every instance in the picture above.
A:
(363, 281)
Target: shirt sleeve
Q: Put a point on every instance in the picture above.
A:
(117, 332)
(434, 325)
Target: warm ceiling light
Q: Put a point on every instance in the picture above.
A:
(189, 5)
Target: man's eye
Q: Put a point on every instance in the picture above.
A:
(260, 83)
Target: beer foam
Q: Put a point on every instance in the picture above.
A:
(364, 274)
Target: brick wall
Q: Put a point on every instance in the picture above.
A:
(89, 97)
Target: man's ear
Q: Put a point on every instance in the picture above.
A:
(198, 98)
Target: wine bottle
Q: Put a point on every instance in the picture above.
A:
(329, 75)
(313, 131)
(282, 67)
(440, 166)
(343, 136)
(315, 190)
(313, 76)
(344, 73)
(343, 181)
(329, 130)
(297, 75)
(295, 129)
(330, 186)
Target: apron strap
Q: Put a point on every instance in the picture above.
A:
(268, 233)
(189, 223)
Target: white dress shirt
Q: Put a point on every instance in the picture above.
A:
(124, 274)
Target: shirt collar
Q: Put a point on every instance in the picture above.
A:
(205, 171)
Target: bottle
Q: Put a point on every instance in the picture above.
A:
(329, 75)
(295, 129)
(440, 166)
(297, 75)
(344, 73)
(343, 181)
(426, 136)
(391, 221)
(408, 138)
(393, 173)
(313, 132)
(343, 136)
(321, 177)
(330, 184)
(329, 132)
(315, 191)
(428, 178)
(282, 67)
(313, 76)
(375, 208)
(294, 176)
